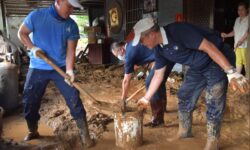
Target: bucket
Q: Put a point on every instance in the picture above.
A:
(128, 129)
(8, 86)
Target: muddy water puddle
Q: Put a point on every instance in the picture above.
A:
(15, 128)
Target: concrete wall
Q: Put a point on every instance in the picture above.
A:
(1, 19)
(13, 24)
(168, 9)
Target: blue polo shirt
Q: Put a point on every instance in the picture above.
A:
(137, 55)
(50, 32)
(183, 43)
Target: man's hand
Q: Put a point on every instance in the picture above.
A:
(71, 77)
(34, 51)
(238, 81)
(143, 103)
(140, 75)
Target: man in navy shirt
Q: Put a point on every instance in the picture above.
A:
(55, 34)
(204, 52)
(142, 56)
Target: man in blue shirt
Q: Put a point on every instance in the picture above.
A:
(207, 56)
(53, 32)
(142, 56)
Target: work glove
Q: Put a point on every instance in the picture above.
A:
(238, 81)
(71, 77)
(33, 51)
(140, 75)
(143, 103)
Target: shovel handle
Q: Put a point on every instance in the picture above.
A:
(41, 55)
(135, 93)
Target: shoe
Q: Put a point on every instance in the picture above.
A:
(33, 133)
(154, 124)
(31, 136)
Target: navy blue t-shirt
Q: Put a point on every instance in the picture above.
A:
(137, 55)
(183, 45)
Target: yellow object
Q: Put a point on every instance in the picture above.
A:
(91, 32)
(241, 56)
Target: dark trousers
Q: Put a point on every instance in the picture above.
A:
(159, 100)
(214, 80)
(34, 88)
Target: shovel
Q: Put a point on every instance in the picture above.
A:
(64, 75)
(125, 101)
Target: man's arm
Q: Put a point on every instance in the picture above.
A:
(23, 35)
(70, 57)
(125, 85)
(70, 60)
(155, 83)
(215, 54)
(153, 87)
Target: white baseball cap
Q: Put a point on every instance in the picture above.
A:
(75, 3)
(142, 26)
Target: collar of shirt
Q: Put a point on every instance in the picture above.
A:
(164, 37)
(55, 14)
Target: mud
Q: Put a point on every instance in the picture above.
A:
(59, 131)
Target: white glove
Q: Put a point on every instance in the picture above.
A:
(71, 78)
(34, 49)
(140, 74)
(143, 103)
(238, 81)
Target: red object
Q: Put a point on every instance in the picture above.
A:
(179, 17)
(130, 36)
(99, 54)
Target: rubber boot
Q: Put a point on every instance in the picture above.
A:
(33, 133)
(84, 133)
(185, 126)
(157, 114)
(213, 131)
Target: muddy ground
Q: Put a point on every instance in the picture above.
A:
(58, 129)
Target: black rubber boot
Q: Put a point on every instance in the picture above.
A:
(84, 133)
(33, 133)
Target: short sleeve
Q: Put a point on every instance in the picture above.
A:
(30, 20)
(235, 23)
(160, 61)
(129, 63)
(183, 33)
(74, 32)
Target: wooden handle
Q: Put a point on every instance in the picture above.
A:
(41, 55)
(135, 93)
